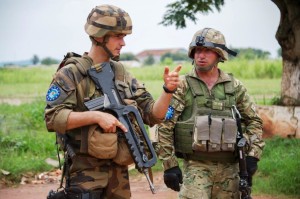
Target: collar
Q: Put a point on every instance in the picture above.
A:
(223, 77)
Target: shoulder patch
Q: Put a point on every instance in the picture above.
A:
(53, 93)
(170, 113)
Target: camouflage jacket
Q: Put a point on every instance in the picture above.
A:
(71, 86)
(252, 124)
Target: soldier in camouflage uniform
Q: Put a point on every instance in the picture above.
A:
(199, 126)
(95, 171)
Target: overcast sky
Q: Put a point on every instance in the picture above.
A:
(54, 27)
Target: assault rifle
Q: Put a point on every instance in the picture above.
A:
(103, 77)
(244, 186)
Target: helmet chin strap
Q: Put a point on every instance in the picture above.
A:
(102, 44)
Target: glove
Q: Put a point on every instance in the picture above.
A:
(172, 178)
(251, 167)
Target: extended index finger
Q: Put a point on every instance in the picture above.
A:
(122, 127)
(178, 68)
(166, 72)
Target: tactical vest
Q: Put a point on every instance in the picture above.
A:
(199, 102)
(79, 139)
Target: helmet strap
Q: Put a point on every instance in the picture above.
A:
(103, 45)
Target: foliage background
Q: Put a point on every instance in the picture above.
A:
(25, 143)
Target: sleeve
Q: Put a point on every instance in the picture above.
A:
(165, 131)
(60, 101)
(144, 100)
(251, 122)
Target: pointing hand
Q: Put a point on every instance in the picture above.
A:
(171, 79)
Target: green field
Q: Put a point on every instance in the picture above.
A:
(25, 142)
(261, 77)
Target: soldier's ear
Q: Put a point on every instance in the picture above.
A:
(99, 39)
(221, 59)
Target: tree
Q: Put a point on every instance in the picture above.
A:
(175, 56)
(149, 60)
(250, 53)
(49, 61)
(279, 52)
(127, 57)
(287, 35)
(35, 59)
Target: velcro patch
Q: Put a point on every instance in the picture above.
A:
(170, 113)
(53, 93)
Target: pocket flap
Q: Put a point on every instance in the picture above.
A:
(201, 129)
(230, 131)
(216, 129)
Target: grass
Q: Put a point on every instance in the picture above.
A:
(31, 83)
(25, 142)
(279, 168)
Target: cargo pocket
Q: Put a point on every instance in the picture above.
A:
(201, 133)
(229, 135)
(216, 129)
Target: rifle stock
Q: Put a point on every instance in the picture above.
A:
(137, 141)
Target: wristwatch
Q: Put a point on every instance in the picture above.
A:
(167, 90)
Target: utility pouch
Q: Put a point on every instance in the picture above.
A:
(201, 133)
(216, 128)
(229, 135)
(102, 145)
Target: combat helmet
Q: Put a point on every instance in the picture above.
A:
(213, 39)
(105, 19)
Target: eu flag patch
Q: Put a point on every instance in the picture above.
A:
(170, 113)
(53, 93)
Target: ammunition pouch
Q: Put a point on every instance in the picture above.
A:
(202, 140)
(214, 134)
(102, 145)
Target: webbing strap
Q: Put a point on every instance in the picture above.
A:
(84, 139)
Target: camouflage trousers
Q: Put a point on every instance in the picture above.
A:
(209, 180)
(92, 174)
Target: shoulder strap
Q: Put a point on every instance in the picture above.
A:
(119, 70)
(229, 86)
(195, 86)
(81, 63)
(229, 91)
(67, 57)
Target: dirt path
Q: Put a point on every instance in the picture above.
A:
(139, 187)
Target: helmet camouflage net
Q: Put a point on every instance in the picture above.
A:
(107, 18)
(210, 38)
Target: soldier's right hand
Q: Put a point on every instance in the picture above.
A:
(109, 123)
(173, 178)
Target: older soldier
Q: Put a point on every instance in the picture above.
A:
(200, 127)
(95, 171)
